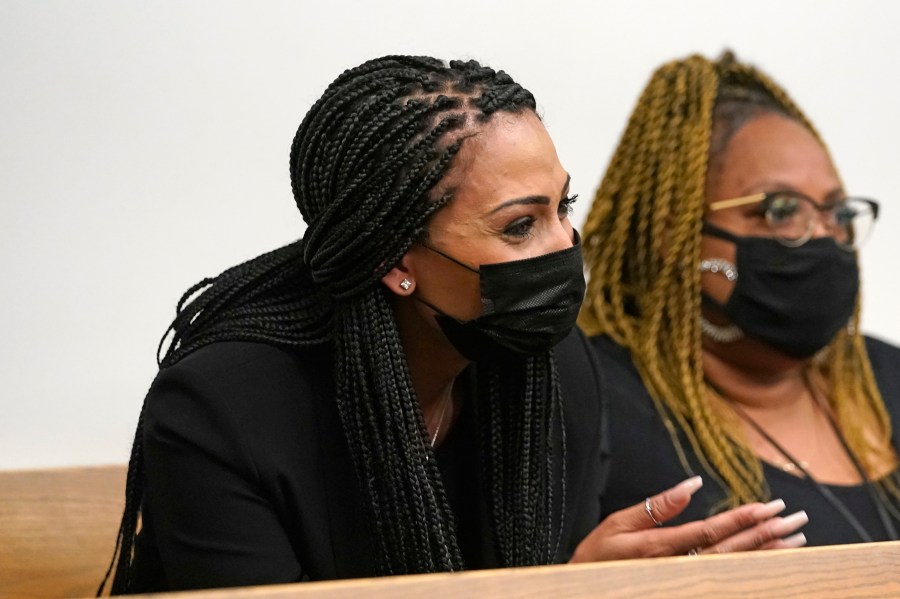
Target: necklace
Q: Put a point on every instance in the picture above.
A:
(823, 490)
(780, 459)
(440, 421)
(790, 467)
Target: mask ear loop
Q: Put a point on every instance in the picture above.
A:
(440, 312)
(708, 228)
(417, 296)
(576, 240)
(449, 257)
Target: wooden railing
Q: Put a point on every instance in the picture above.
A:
(871, 570)
(57, 529)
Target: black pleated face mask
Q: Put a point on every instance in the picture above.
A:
(793, 298)
(528, 306)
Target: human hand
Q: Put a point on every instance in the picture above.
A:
(635, 531)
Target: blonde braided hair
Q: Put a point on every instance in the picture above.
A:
(641, 244)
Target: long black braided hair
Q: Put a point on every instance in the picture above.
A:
(364, 165)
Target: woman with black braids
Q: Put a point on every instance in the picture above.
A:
(401, 390)
(724, 302)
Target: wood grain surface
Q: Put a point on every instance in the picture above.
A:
(871, 570)
(57, 529)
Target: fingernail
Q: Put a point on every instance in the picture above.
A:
(685, 488)
(789, 524)
(794, 541)
(768, 510)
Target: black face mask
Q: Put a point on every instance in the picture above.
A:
(794, 298)
(528, 306)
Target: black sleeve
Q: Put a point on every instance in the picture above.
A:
(644, 459)
(587, 437)
(213, 524)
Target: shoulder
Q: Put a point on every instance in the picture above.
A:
(233, 394)
(237, 367)
(882, 353)
(885, 361)
(231, 357)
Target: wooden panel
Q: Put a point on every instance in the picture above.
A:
(57, 529)
(871, 570)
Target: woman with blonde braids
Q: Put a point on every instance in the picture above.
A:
(723, 297)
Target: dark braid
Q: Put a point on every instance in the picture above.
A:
(522, 432)
(364, 167)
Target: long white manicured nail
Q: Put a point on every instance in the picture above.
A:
(794, 541)
(789, 524)
(685, 488)
(768, 510)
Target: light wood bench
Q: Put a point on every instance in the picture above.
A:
(871, 570)
(58, 529)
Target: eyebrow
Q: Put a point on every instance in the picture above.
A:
(528, 200)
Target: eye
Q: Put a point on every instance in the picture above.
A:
(566, 205)
(782, 208)
(844, 214)
(520, 228)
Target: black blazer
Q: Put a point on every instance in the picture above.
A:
(249, 480)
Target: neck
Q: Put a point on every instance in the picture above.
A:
(758, 390)
(781, 400)
(434, 366)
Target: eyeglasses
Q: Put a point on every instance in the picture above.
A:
(792, 217)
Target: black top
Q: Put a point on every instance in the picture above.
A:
(249, 479)
(644, 460)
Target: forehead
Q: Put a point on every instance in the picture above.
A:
(771, 150)
(511, 155)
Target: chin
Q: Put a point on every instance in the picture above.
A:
(755, 355)
(773, 359)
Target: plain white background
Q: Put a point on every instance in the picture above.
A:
(144, 146)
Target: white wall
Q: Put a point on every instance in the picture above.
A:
(145, 145)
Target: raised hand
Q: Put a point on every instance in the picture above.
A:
(637, 531)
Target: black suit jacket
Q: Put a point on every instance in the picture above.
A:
(249, 480)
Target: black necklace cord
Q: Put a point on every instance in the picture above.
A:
(823, 490)
(836, 503)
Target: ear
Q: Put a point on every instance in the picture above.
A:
(400, 279)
